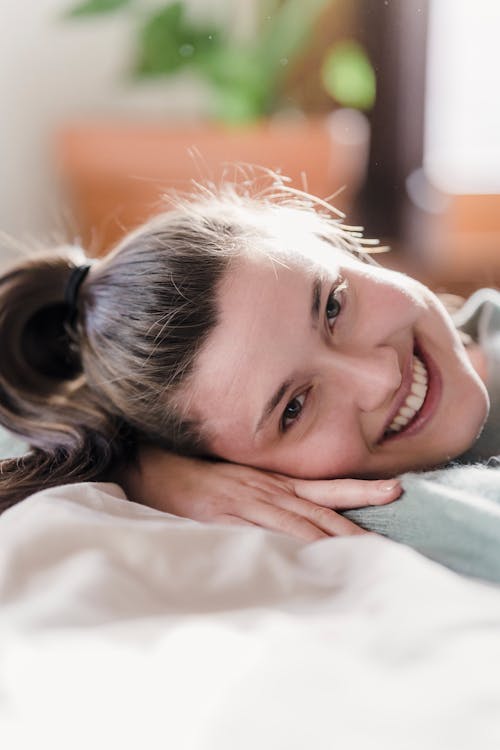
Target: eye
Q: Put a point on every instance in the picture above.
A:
(292, 411)
(333, 306)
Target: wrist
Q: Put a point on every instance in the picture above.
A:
(157, 477)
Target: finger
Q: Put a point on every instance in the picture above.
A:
(227, 518)
(278, 518)
(348, 493)
(323, 518)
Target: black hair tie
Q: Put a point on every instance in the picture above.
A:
(73, 285)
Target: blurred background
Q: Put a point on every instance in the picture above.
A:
(391, 106)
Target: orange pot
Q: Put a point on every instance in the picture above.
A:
(114, 174)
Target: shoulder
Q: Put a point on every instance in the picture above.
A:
(479, 316)
(451, 515)
(478, 480)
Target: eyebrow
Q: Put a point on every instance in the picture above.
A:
(316, 300)
(282, 389)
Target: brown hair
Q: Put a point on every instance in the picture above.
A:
(84, 392)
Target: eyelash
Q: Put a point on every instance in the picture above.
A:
(333, 296)
(330, 323)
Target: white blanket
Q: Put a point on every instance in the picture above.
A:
(122, 627)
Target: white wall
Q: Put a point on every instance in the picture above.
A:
(52, 71)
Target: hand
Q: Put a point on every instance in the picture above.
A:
(230, 493)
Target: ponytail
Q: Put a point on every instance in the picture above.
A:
(44, 398)
(92, 363)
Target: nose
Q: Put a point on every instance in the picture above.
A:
(372, 378)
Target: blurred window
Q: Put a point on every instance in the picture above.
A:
(462, 113)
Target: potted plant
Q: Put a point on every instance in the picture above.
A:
(115, 172)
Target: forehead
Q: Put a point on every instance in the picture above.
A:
(258, 292)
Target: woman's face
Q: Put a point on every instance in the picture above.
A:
(337, 369)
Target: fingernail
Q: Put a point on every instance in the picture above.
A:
(389, 486)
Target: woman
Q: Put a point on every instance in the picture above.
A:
(242, 329)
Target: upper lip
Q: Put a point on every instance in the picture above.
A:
(401, 395)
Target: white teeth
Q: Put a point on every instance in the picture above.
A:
(419, 389)
(401, 420)
(405, 411)
(414, 400)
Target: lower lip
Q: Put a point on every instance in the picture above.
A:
(432, 399)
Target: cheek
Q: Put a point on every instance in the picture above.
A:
(228, 440)
(333, 450)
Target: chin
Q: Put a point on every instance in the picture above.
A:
(457, 430)
(460, 431)
(477, 409)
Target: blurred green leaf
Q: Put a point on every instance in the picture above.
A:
(169, 41)
(285, 33)
(94, 7)
(235, 67)
(237, 78)
(235, 105)
(246, 77)
(348, 75)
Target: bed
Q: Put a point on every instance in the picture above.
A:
(125, 627)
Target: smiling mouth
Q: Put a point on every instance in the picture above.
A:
(409, 411)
